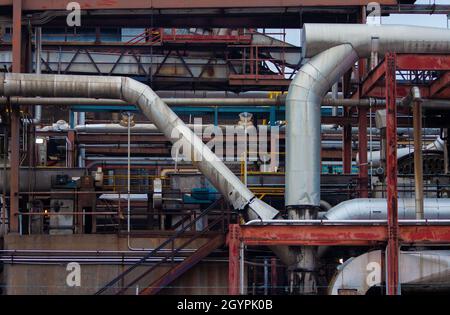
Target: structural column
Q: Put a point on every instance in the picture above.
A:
(418, 158)
(347, 153)
(15, 120)
(347, 145)
(273, 276)
(233, 262)
(362, 153)
(391, 174)
(362, 126)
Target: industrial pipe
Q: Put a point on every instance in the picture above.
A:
(210, 102)
(341, 222)
(376, 209)
(38, 50)
(131, 91)
(416, 104)
(333, 49)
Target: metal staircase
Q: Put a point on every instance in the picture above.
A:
(135, 280)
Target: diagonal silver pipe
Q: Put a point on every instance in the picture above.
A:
(134, 92)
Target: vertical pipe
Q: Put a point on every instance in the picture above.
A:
(273, 276)
(245, 155)
(38, 51)
(5, 157)
(15, 120)
(241, 268)
(418, 159)
(370, 144)
(391, 173)
(81, 120)
(347, 128)
(334, 95)
(362, 147)
(233, 259)
(216, 116)
(70, 153)
(129, 180)
(445, 135)
(347, 146)
(14, 170)
(362, 125)
(17, 37)
(266, 276)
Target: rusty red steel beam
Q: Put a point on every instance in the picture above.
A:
(393, 247)
(362, 150)
(193, 4)
(404, 89)
(440, 84)
(15, 119)
(233, 241)
(17, 37)
(423, 62)
(372, 79)
(273, 276)
(370, 85)
(337, 235)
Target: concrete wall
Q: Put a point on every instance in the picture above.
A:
(205, 278)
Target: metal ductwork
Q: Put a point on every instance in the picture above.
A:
(376, 209)
(417, 268)
(380, 38)
(134, 92)
(333, 49)
(303, 139)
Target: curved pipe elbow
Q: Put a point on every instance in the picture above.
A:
(303, 160)
(134, 92)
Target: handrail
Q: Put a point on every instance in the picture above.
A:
(161, 246)
(152, 38)
(172, 254)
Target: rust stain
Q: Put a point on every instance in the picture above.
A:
(107, 2)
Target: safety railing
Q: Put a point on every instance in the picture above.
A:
(221, 221)
(149, 37)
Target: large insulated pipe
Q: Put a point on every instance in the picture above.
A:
(303, 129)
(134, 92)
(376, 209)
(303, 148)
(333, 49)
(420, 269)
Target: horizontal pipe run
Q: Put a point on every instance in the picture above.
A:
(345, 222)
(68, 213)
(96, 252)
(89, 261)
(117, 261)
(211, 102)
(151, 105)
